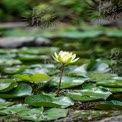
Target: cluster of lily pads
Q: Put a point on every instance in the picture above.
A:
(29, 81)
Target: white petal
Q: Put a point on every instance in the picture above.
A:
(60, 52)
(75, 60)
(55, 54)
(73, 57)
(55, 58)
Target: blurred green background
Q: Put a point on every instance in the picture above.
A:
(77, 25)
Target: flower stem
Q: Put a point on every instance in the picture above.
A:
(62, 70)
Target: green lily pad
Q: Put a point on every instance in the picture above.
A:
(89, 94)
(95, 92)
(114, 33)
(110, 105)
(79, 71)
(98, 66)
(96, 76)
(27, 57)
(68, 82)
(55, 113)
(21, 90)
(10, 62)
(113, 90)
(40, 77)
(35, 114)
(48, 101)
(110, 83)
(13, 70)
(7, 84)
(89, 85)
(38, 114)
(79, 97)
(13, 109)
(4, 105)
(8, 56)
(42, 50)
(63, 101)
(2, 100)
(41, 100)
(35, 78)
(77, 34)
(2, 51)
(23, 77)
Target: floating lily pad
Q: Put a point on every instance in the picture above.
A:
(68, 82)
(13, 109)
(89, 85)
(114, 33)
(97, 65)
(21, 90)
(35, 114)
(77, 34)
(55, 113)
(79, 71)
(63, 101)
(39, 68)
(13, 70)
(110, 83)
(48, 101)
(113, 90)
(35, 78)
(2, 100)
(42, 50)
(110, 105)
(26, 57)
(96, 76)
(7, 84)
(38, 114)
(41, 100)
(10, 62)
(4, 105)
(89, 94)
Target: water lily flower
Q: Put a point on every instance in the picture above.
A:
(65, 57)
